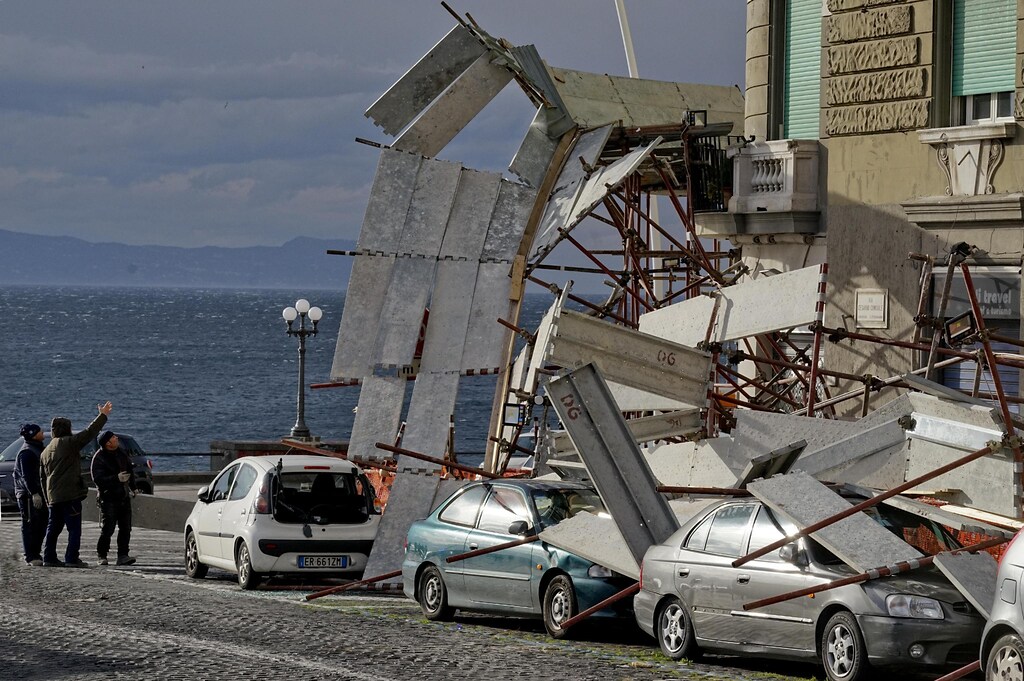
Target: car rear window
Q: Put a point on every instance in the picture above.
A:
(323, 496)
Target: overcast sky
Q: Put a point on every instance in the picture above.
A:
(231, 123)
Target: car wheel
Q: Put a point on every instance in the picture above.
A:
(433, 595)
(247, 577)
(559, 605)
(193, 568)
(1006, 660)
(842, 649)
(674, 631)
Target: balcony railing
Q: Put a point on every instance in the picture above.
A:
(780, 176)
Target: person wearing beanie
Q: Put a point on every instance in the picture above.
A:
(114, 476)
(29, 493)
(60, 470)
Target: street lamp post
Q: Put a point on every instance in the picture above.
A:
(302, 310)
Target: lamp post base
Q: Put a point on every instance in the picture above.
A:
(302, 432)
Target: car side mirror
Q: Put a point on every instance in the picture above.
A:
(792, 553)
(519, 527)
(202, 494)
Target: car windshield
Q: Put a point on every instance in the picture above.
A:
(10, 453)
(555, 505)
(924, 535)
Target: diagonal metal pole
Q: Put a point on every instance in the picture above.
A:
(1018, 461)
(819, 320)
(866, 504)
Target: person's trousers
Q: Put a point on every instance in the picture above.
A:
(65, 514)
(116, 513)
(33, 527)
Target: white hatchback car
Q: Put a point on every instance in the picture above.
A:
(265, 515)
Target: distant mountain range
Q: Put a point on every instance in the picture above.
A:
(64, 260)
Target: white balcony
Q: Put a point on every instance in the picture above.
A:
(775, 191)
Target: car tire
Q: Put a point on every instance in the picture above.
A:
(674, 631)
(193, 567)
(842, 649)
(247, 577)
(560, 604)
(432, 595)
(1006, 659)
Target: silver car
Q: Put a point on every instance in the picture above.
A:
(691, 598)
(1002, 649)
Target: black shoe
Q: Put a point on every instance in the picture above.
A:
(76, 564)
(125, 560)
(102, 560)
(53, 563)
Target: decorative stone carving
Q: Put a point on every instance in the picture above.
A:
(879, 54)
(969, 155)
(890, 117)
(844, 5)
(876, 87)
(879, 23)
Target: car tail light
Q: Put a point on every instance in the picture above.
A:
(149, 464)
(641, 574)
(262, 503)
(317, 468)
(405, 544)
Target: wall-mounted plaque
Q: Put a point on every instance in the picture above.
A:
(872, 308)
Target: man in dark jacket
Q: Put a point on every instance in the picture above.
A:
(60, 470)
(115, 486)
(29, 493)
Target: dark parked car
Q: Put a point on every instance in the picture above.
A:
(691, 598)
(142, 464)
(1002, 644)
(532, 580)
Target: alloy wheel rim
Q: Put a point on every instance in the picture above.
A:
(559, 607)
(1006, 665)
(433, 593)
(191, 554)
(672, 627)
(243, 560)
(840, 650)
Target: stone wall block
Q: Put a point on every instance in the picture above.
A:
(758, 13)
(877, 87)
(890, 117)
(845, 5)
(879, 23)
(880, 54)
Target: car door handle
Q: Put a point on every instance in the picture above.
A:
(743, 579)
(683, 572)
(472, 547)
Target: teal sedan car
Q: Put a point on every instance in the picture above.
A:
(529, 580)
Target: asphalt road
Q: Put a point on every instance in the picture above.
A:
(149, 621)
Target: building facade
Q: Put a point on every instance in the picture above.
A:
(879, 128)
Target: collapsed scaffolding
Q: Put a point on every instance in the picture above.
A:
(710, 368)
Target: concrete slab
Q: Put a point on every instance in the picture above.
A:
(857, 540)
(869, 441)
(973, 575)
(707, 463)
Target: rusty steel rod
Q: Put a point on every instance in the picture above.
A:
(962, 672)
(576, 619)
(337, 455)
(864, 505)
(492, 549)
(900, 567)
(352, 585)
(433, 459)
(724, 491)
(853, 335)
(997, 381)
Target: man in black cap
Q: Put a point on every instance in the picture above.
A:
(29, 493)
(115, 486)
(60, 472)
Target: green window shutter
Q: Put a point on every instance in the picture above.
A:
(984, 46)
(802, 95)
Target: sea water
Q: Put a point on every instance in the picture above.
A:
(184, 367)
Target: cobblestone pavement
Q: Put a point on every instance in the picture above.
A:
(149, 621)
